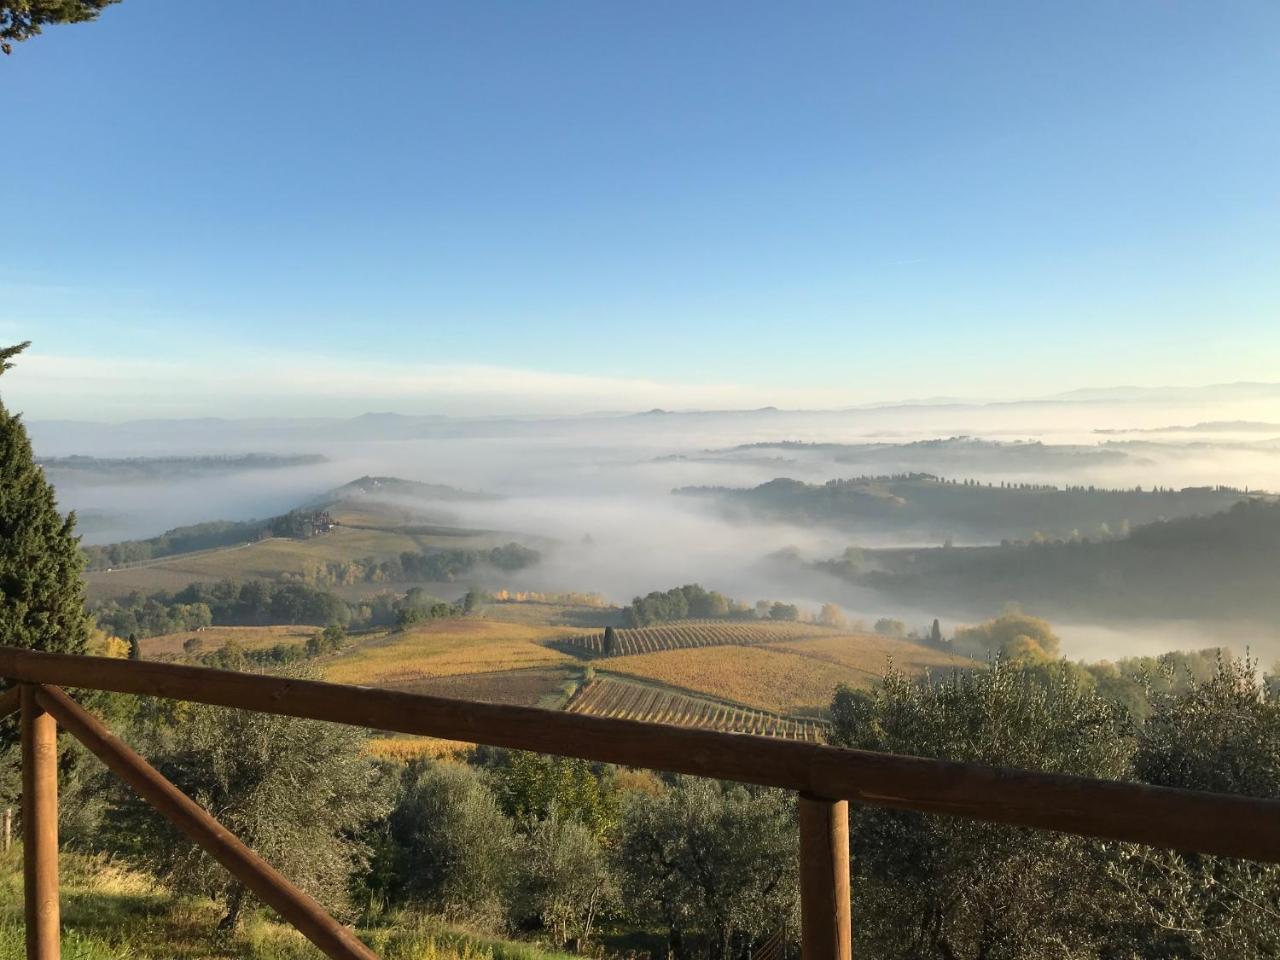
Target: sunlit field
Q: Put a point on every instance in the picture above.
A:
(769, 678)
(445, 648)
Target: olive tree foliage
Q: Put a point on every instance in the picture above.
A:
(450, 847)
(532, 786)
(1222, 735)
(955, 889)
(301, 793)
(713, 865)
(21, 19)
(565, 880)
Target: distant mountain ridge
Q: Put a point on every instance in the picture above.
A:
(1215, 567)
(924, 505)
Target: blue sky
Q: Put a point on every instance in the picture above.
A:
(243, 207)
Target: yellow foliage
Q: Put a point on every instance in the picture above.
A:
(102, 644)
(782, 677)
(444, 648)
(404, 749)
(1013, 635)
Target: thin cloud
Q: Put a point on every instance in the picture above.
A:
(51, 385)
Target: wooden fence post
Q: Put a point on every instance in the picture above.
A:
(333, 939)
(40, 827)
(825, 932)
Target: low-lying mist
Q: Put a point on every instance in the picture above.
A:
(598, 489)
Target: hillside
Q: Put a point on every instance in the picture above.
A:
(396, 488)
(376, 530)
(1221, 566)
(788, 677)
(739, 675)
(928, 506)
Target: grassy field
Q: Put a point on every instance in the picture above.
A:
(553, 614)
(778, 678)
(271, 558)
(871, 653)
(445, 648)
(111, 912)
(611, 697)
(215, 638)
(546, 687)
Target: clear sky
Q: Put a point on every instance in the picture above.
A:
(312, 206)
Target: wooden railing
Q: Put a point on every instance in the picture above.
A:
(826, 779)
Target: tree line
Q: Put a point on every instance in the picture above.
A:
(435, 565)
(694, 601)
(257, 602)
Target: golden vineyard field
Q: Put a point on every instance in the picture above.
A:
(605, 697)
(685, 634)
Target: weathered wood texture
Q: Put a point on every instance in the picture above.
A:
(826, 932)
(331, 937)
(40, 828)
(1182, 819)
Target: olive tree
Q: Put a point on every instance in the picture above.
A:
(565, 879)
(950, 888)
(451, 848)
(715, 865)
(298, 792)
(1223, 735)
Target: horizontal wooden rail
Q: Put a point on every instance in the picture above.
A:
(1222, 824)
(309, 917)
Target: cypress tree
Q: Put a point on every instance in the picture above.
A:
(41, 591)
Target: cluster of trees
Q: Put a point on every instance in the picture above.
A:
(503, 841)
(947, 888)
(679, 603)
(234, 656)
(223, 603)
(695, 601)
(266, 602)
(428, 566)
(443, 566)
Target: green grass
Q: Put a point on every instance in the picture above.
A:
(111, 912)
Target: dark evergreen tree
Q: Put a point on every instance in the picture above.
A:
(41, 591)
(21, 19)
(610, 641)
(935, 632)
(135, 647)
